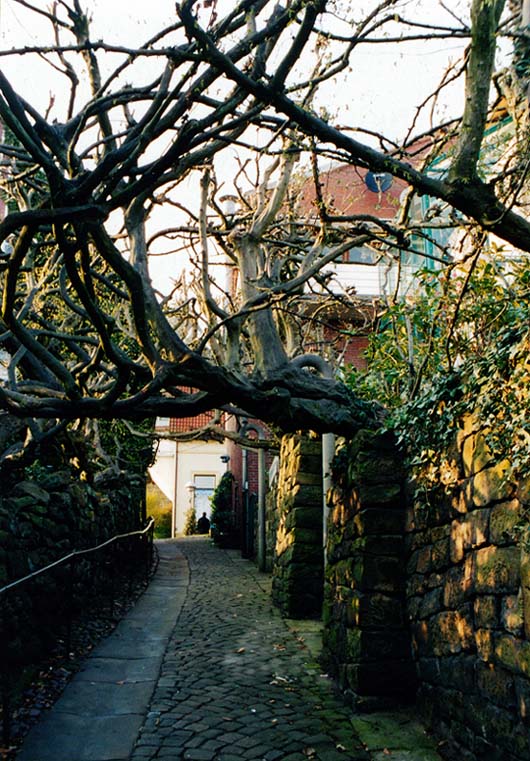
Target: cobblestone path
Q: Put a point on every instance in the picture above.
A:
(236, 683)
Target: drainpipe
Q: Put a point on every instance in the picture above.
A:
(262, 539)
(174, 510)
(328, 441)
(244, 499)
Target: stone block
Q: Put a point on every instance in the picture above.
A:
(415, 585)
(429, 670)
(374, 610)
(459, 503)
(476, 455)
(379, 521)
(457, 672)
(384, 574)
(492, 485)
(413, 606)
(512, 614)
(450, 632)
(485, 610)
(376, 646)
(513, 654)
(496, 684)
(500, 729)
(496, 569)
(431, 603)
(310, 447)
(33, 490)
(386, 495)
(308, 536)
(424, 560)
(458, 584)
(307, 494)
(525, 572)
(440, 557)
(304, 518)
(504, 518)
(522, 693)
(347, 572)
(469, 532)
(485, 644)
(310, 478)
(301, 553)
(523, 489)
(376, 469)
(300, 604)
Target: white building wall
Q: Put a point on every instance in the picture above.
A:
(195, 458)
(163, 470)
(364, 278)
(176, 465)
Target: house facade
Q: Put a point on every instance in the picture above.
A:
(187, 472)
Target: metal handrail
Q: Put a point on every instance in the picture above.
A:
(76, 554)
(70, 558)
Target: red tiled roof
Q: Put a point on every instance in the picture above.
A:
(183, 424)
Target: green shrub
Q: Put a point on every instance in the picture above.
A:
(159, 507)
(190, 525)
(222, 516)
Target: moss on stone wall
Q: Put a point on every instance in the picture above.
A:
(468, 602)
(298, 559)
(366, 640)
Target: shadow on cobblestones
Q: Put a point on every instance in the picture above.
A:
(236, 683)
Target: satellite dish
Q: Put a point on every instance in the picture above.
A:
(378, 182)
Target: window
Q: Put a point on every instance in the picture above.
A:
(204, 488)
(362, 255)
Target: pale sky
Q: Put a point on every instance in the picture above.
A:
(386, 84)
(382, 91)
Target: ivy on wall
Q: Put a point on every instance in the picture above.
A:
(458, 344)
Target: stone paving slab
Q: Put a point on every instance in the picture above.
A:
(70, 737)
(396, 736)
(99, 714)
(105, 698)
(119, 670)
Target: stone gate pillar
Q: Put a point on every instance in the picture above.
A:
(297, 584)
(366, 639)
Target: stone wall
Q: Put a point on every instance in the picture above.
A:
(366, 641)
(469, 604)
(271, 523)
(43, 520)
(298, 561)
(46, 511)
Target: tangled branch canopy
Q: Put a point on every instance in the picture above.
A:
(137, 157)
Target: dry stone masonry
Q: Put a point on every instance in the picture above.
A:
(468, 594)
(426, 595)
(299, 554)
(366, 640)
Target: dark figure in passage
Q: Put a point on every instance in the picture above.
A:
(203, 524)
